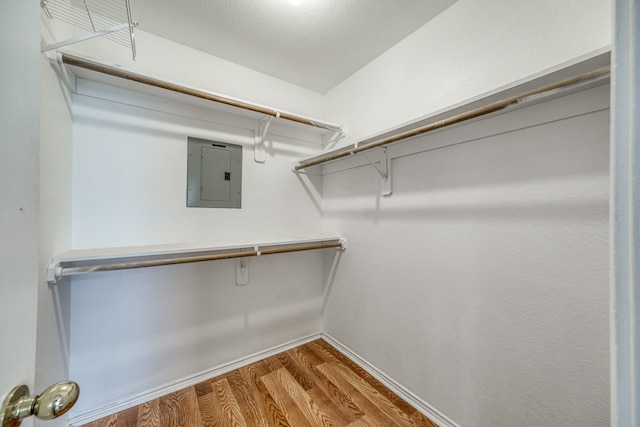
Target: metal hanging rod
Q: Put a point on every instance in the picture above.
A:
(57, 270)
(118, 72)
(458, 118)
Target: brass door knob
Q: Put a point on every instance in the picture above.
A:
(51, 403)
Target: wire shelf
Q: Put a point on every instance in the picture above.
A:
(108, 18)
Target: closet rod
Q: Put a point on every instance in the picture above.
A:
(72, 271)
(458, 118)
(118, 72)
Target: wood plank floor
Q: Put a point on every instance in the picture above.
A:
(310, 385)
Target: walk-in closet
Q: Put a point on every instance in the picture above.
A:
(242, 213)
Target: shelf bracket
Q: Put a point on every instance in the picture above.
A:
(259, 145)
(336, 136)
(84, 37)
(382, 165)
(92, 18)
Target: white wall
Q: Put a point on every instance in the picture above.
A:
(133, 332)
(36, 204)
(481, 285)
(472, 48)
(129, 181)
(52, 344)
(19, 145)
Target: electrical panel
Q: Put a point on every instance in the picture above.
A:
(214, 174)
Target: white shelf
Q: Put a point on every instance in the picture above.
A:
(91, 70)
(542, 79)
(86, 259)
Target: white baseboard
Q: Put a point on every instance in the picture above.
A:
(131, 401)
(433, 414)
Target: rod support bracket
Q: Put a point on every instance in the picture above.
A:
(337, 134)
(242, 271)
(343, 244)
(54, 272)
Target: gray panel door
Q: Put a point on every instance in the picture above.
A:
(216, 174)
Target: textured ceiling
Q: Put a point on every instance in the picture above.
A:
(315, 44)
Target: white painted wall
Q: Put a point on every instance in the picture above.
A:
(36, 207)
(128, 184)
(130, 173)
(472, 48)
(19, 146)
(52, 344)
(133, 332)
(481, 285)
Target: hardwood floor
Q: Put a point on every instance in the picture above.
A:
(310, 385)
